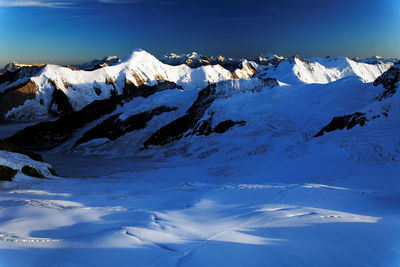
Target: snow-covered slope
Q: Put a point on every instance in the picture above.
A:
(379, 59)
(148, 104)
(323, 70)
(83, 87)
(13, 66)
(60, 90)
(98, 63)
(269, 59)
(17, 164)
(196, 60)
(272, 170)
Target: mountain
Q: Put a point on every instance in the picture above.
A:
(269, 59)
(167, 165)
(377, 60)
(98, 63)
(14, 66)
(195, 60)
(151, 105)
(59, 90)
(323, 70)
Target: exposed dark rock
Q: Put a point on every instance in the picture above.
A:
(389, 81)
(113, 127)
(97, 90)
(10, 147)
(176, 129)
(270, 82)
(146, 90)
(59, 104)
(47, 135)
(52, 171)
(7, 173)
(97, 64)
(16, 96)
(23, 72)
(72, 67)
(203, 127)
(346, 121)
(29, 171)
(224, 126)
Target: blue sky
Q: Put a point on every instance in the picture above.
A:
(73, 31)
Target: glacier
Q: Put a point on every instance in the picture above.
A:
(171, 165)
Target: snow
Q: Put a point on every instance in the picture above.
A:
(267, 193)
(137, 67)
(17, 162)
(324, 70)
(196, 213)
(141, 67)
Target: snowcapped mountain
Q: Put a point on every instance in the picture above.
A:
(14, 66)
(379, 59)
(269, 59)
(59, 90)
(171, 164)
(148, 104)
(97, 64)
(195, 60)
(323, 70)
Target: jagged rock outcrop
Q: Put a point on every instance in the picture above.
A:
(224, 126)
(47, 135)
(59, 104)
(10, 147)
(114, 127)
(269, 59)
(16, 160)
(97, 63)
(346, 121)
(7, 173)
(144, 90)
(389, 80)
(177, 128)
(16, 96)
(10, 77)
(29, 171)
(14, 66)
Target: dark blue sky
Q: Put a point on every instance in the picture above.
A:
(73, 31)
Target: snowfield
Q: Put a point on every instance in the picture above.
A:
(297, 165)
(204, 213)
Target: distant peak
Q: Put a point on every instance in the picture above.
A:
(138, 55)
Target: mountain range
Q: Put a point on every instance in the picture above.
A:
(143, 101)
(187, 160)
